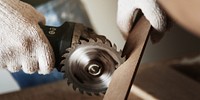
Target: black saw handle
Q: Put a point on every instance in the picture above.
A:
(60, 39)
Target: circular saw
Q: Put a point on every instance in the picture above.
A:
(87, 60)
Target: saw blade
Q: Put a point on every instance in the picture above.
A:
(89, 65)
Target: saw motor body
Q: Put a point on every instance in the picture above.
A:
(87, 60)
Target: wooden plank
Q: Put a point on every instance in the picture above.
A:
(123, 76)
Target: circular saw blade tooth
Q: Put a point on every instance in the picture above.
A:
(120, 51)
(91, 40)
(107, 42)
(62, 62)
(81, 91)
(62, 69)
(83, 41)
(124, 58)
(114, 46)
(102, 94)
(69, 49)
(88, 93)
(77, 90)
(99, 40)
(64, 56)
(74, 87)
(69, 83)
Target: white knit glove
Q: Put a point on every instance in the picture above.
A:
(150, 9)
(23, 44)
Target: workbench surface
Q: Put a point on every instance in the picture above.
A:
(176, 79)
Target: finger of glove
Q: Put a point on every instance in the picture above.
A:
(13, 67)
(153, 13)
(45, 58)
(29, 65)
(9, 59)
(150, 9)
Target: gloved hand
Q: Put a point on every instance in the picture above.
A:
(150, 9)
(23, 44)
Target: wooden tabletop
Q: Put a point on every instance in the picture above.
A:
(175, 79)
(53, 91)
